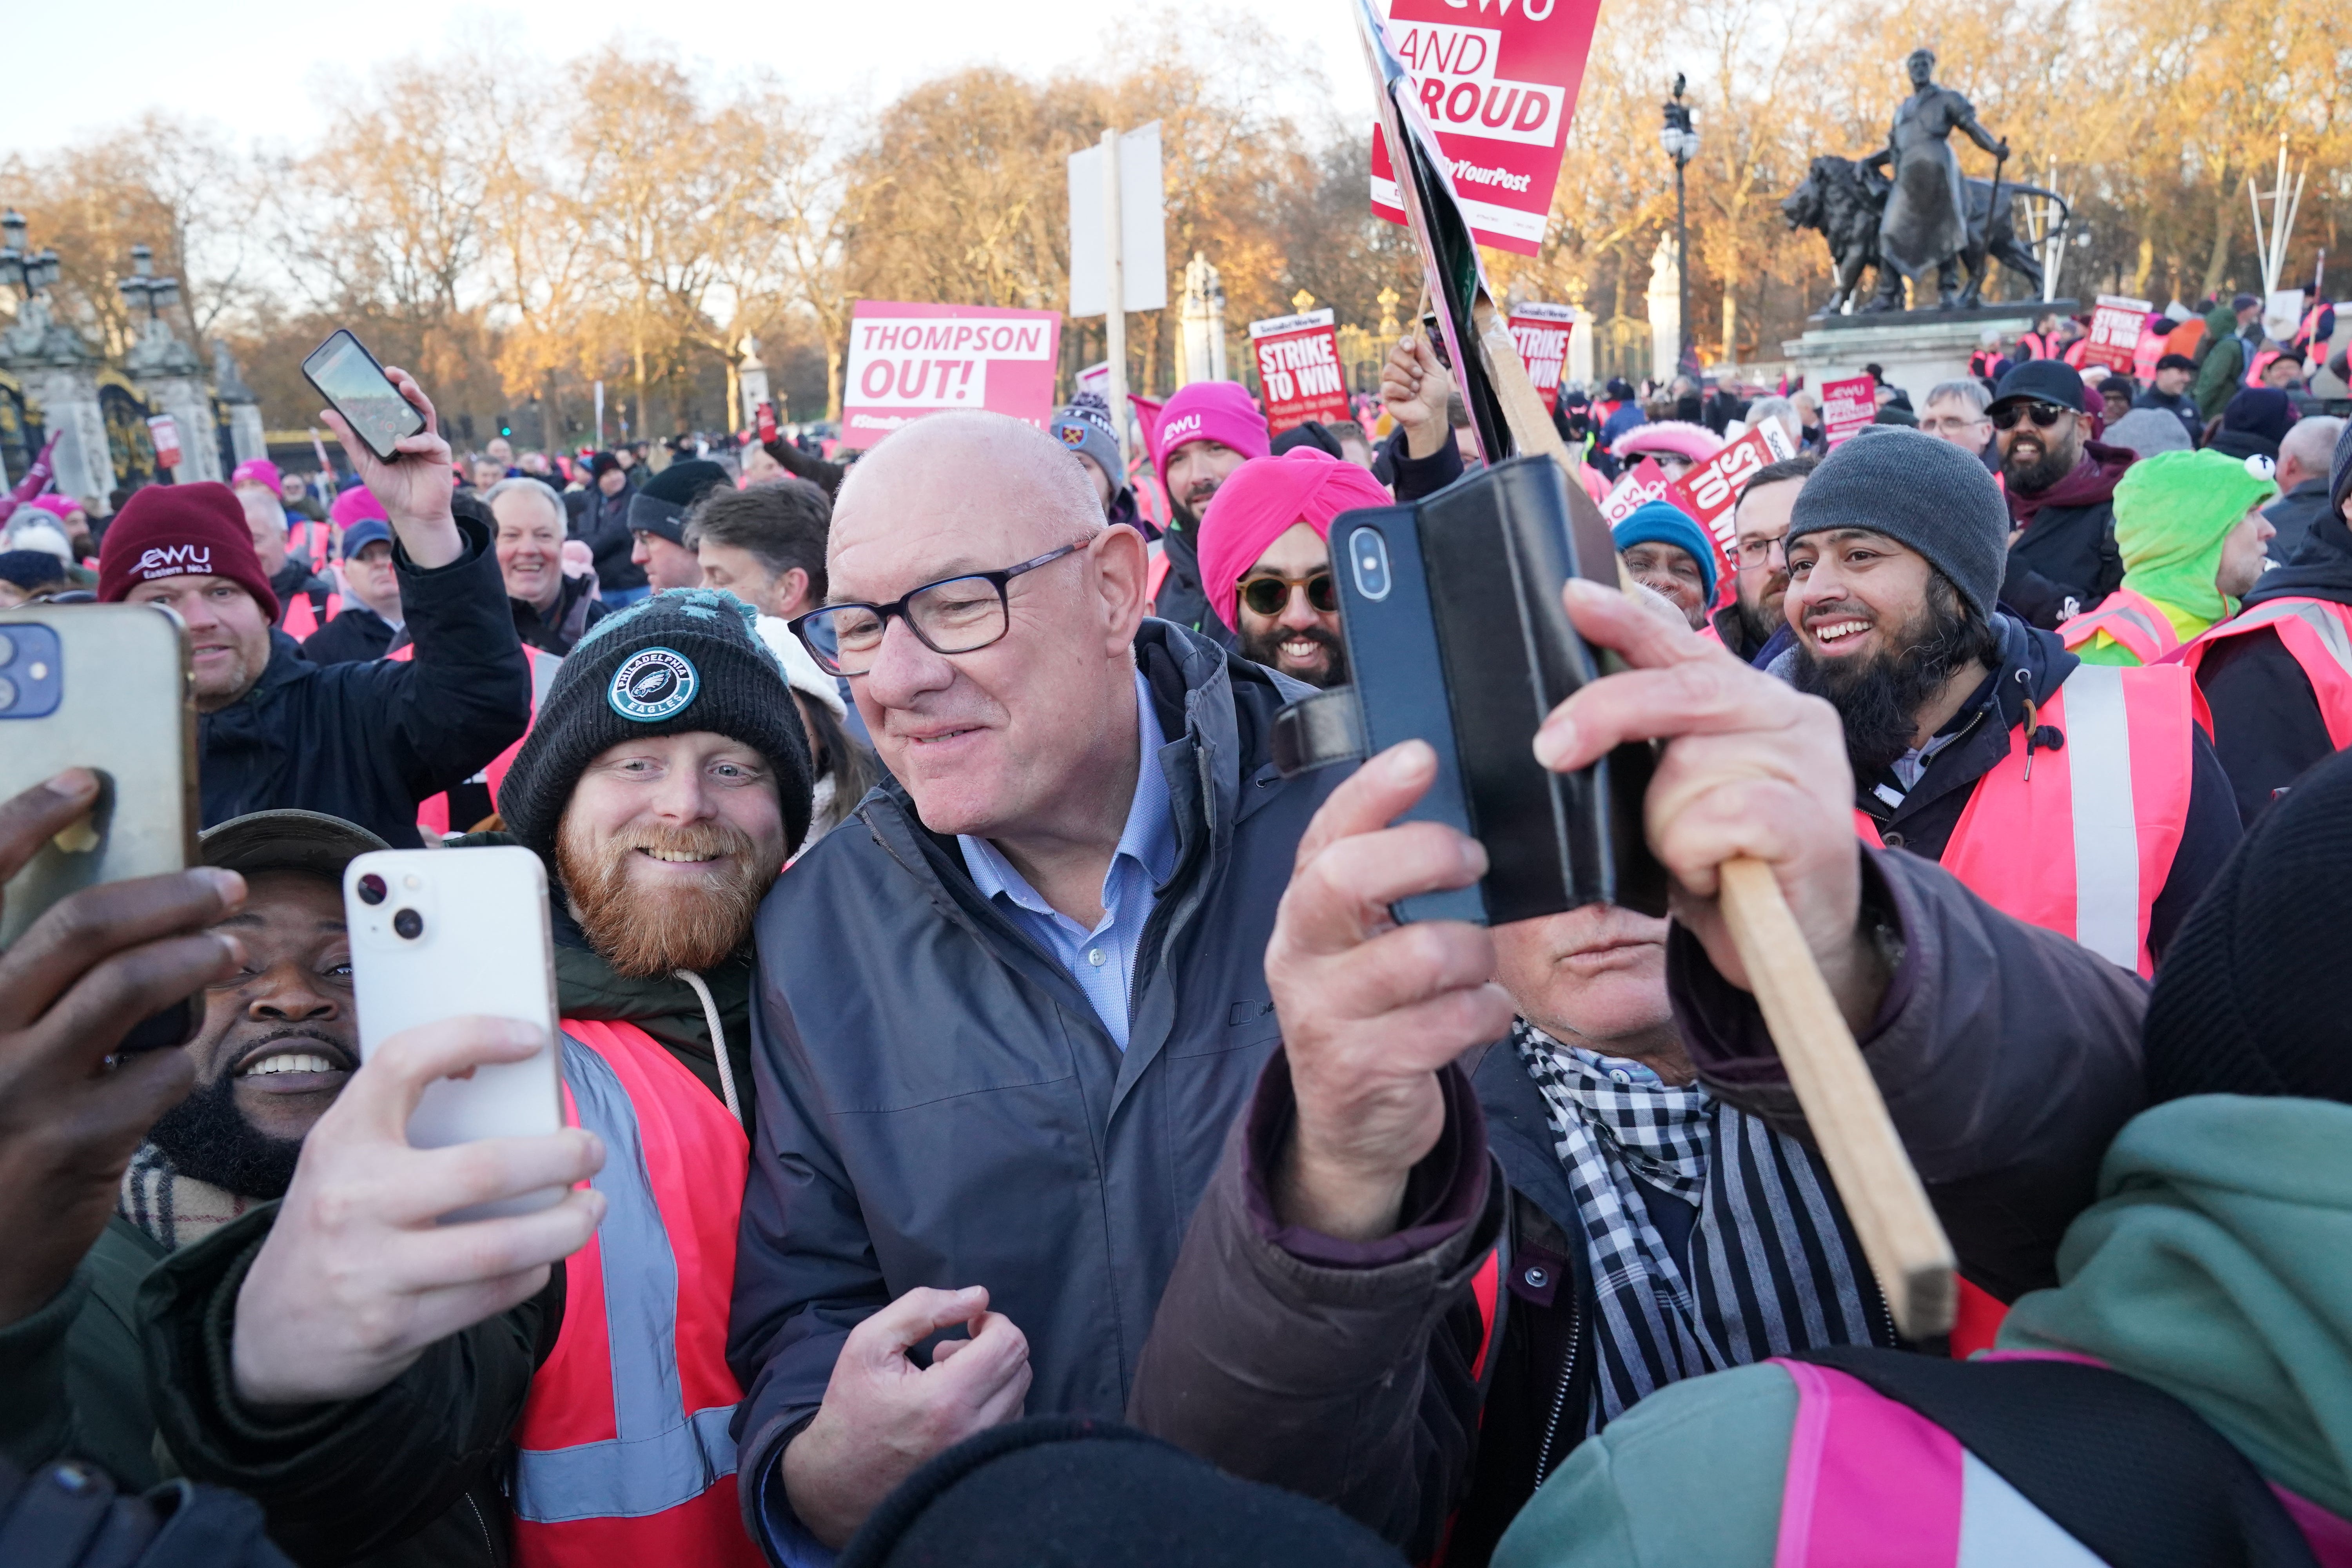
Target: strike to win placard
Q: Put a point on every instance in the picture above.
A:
(905, 360)
(1541, 331)
(1710, 492)
(2115, 325)
(1497, 80)
(1298, 366)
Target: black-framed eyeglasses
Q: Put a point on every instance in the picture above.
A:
(1269, 593)
(2045, 415)
(954, 615)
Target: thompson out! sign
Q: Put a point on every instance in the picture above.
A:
(1298, 366)
(905, 360)
(1497, 80)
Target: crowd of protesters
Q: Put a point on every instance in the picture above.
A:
(1006, 1123)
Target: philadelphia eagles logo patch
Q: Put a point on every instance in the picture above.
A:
(652, 685)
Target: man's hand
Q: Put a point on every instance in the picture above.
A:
(1369, 1009)
(1416, 387)
(72, 987)
(883, 1416)
(1751, 766)
(357, 1279)
(415, 488)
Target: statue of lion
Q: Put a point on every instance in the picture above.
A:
(1842, 198)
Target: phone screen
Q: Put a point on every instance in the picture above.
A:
(350, 378)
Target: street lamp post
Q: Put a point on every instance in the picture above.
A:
(1681, 143)
(143, 288)
(21, 268)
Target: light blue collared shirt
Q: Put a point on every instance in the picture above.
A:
(1102, 961)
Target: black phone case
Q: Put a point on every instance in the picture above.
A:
(1469, 649)
(384, 454)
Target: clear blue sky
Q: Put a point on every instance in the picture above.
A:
(256, 66)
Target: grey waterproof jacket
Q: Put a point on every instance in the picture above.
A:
(939, 1106)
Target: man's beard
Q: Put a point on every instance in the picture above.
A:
(2057, 460)
(1878, 699)
(643, 931)
(1756, 629)
(1264, 648)
(207, 1138)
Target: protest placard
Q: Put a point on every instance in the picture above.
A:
(164, 433)
(907, 361)
(2115, 323)
(1847, 405)
(1499, 95)
(1298, 366)
(1541, 331)
(1710, 492)
(1644, 481)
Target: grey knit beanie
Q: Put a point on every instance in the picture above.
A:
(1916, 490)
(678, 662)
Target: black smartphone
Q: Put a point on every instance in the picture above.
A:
(1451, 609)
(1435, 333)
(355, 386)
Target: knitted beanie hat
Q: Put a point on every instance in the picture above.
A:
(181, 530)
(1919, 491)
(2173, 513)
(672, 664)
(661, 507)
(1664, 523)
(2245, 1000)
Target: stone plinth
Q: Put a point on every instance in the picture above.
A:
(59, 374)
(1915, 349)
(247, 437)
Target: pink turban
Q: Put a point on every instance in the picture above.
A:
(1263, 500)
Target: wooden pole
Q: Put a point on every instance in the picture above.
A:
(1114, 303)
(1883, 1195)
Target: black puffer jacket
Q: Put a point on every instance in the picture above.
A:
(2267, 727)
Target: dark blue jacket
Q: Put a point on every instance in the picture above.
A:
(367, 741)
(939, 1106)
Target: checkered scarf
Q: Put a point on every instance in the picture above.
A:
(172, 1208)
(1774, 1267)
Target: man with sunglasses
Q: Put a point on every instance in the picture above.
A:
(1265, 559)
(2061, 489)
(1002, 1020)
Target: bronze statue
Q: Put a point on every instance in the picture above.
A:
(1925, 224)
(1844, 199)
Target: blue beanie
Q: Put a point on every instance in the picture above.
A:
(1663, 523)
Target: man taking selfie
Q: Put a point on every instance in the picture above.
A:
(362, 741)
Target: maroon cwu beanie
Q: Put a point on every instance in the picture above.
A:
(181, 531)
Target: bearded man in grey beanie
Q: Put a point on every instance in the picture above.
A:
(2084, 799)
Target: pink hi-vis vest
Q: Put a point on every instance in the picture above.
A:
(2318, 635)
(302, 619)
(622, 1455)
(2144, 631)
(434, 813)
(1871, 1483)
(2084, 846)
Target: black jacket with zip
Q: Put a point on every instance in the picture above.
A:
(412, 1474)
(2267, 726)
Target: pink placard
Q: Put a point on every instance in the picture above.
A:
(905, 360)
(1848, 405)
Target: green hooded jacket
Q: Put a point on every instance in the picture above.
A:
(2223, 366)
(2174, 513)
(2217, 1265)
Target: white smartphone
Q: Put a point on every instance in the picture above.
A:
(438, 933)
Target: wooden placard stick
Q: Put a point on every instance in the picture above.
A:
(1883, 1195)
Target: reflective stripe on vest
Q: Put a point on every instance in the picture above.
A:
(434, 813)
(2136, 623)
(301, 620)
(623, 1453)
(2084, 847)
(1873, 1482)
(2317, 634)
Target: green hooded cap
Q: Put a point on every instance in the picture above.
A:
(2173, 512)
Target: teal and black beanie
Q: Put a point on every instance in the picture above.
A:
(670, 664)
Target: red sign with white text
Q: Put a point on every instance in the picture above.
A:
(164, 431)
(1498, 86)
(1298, 369)
(1847, 405)
(907, 361)
(1644, 481)
(1541, 331)
(1710, 492)
(2116, 326)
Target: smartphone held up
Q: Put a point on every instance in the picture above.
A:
(354, 386)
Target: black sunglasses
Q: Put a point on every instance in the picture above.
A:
(1270, 595)
(2045, 415)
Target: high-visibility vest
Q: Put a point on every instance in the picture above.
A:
(622, 1454)
(2134, 620)
(301, 616)
(434, 813)
(2091, 875)
(2316, 633)
(2038, 345)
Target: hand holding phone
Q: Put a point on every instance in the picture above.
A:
(390, 432)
